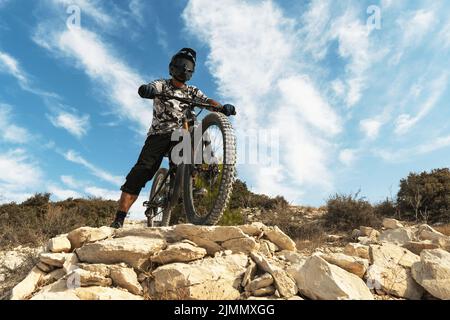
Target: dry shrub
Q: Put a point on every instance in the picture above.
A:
(36, 220)
(347, 212)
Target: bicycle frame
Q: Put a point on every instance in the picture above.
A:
(186, 119)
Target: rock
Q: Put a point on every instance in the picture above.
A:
(319, 280)
(355, 265)
(245, 245)
(127, 279)
(283, 282)
(28, 285)
(83, 235)
(249, 273)
(215, 234)
(179, 252)
(391, 273)
(395, 280)
(210, 246)
(11, 260)
(334, 238)
(144, 232)
(44, 267)
(53, 276)
(53, 259)
(59, 244)
(99, 268)
(278, 237)
(416, 247)
(260, 282)
(357, 250)
(397, 236)
(267, 291)
(366, 241)
(65, 295)
(391, 223)
(432, 272)
(103, 293)
(70, 264)
(356, 233)
(291, 256)
(83, 278)
(135, 251)
(209, 279)
(369, 232)
(254, 229)
(425, 232)
(388, 254)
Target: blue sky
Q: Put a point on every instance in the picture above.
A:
(355, 107)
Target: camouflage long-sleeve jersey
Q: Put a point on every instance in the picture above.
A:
(168, 114)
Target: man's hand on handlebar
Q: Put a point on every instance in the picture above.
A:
(147, 91)
(228, 110)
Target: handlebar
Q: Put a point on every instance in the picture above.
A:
(190, 102)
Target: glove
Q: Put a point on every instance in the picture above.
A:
(147, 91)
(228, 110)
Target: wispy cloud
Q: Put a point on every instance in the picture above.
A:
(9, 64)
(407, 154)
(271, 86)
(436, 89)
(74, 124)
(20, 177)
(10, 132)
(116, 81)
(96, 171)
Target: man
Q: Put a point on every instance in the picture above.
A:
(167, 117)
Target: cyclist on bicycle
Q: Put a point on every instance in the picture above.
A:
(167, 117)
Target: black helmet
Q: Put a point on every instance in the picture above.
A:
(182, 65)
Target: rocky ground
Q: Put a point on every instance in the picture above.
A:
(252, 261)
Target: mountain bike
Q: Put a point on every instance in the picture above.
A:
(203, 184)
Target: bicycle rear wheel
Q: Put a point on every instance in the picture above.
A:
(158, 215)
(207, 187)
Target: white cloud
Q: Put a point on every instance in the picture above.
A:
(96, 171)
(115, 80)
(436, 89)
(370, 127)
(354, 44)
(269, 88)
(20, 177)
(74, 124)
(59, 193)
(405, 154)
(10, 65)
(348, 156)
(18, 170)
(10, 132)
(71, 182)
(308, 103)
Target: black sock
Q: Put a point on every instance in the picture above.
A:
(121, 215)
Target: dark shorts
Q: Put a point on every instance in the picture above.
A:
(149, 161)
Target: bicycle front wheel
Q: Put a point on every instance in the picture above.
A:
(207, 186)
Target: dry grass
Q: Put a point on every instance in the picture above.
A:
(445, 229)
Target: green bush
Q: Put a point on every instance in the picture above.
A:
(244, 198)
(425, 196)
(386, 208)
(347, 212)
